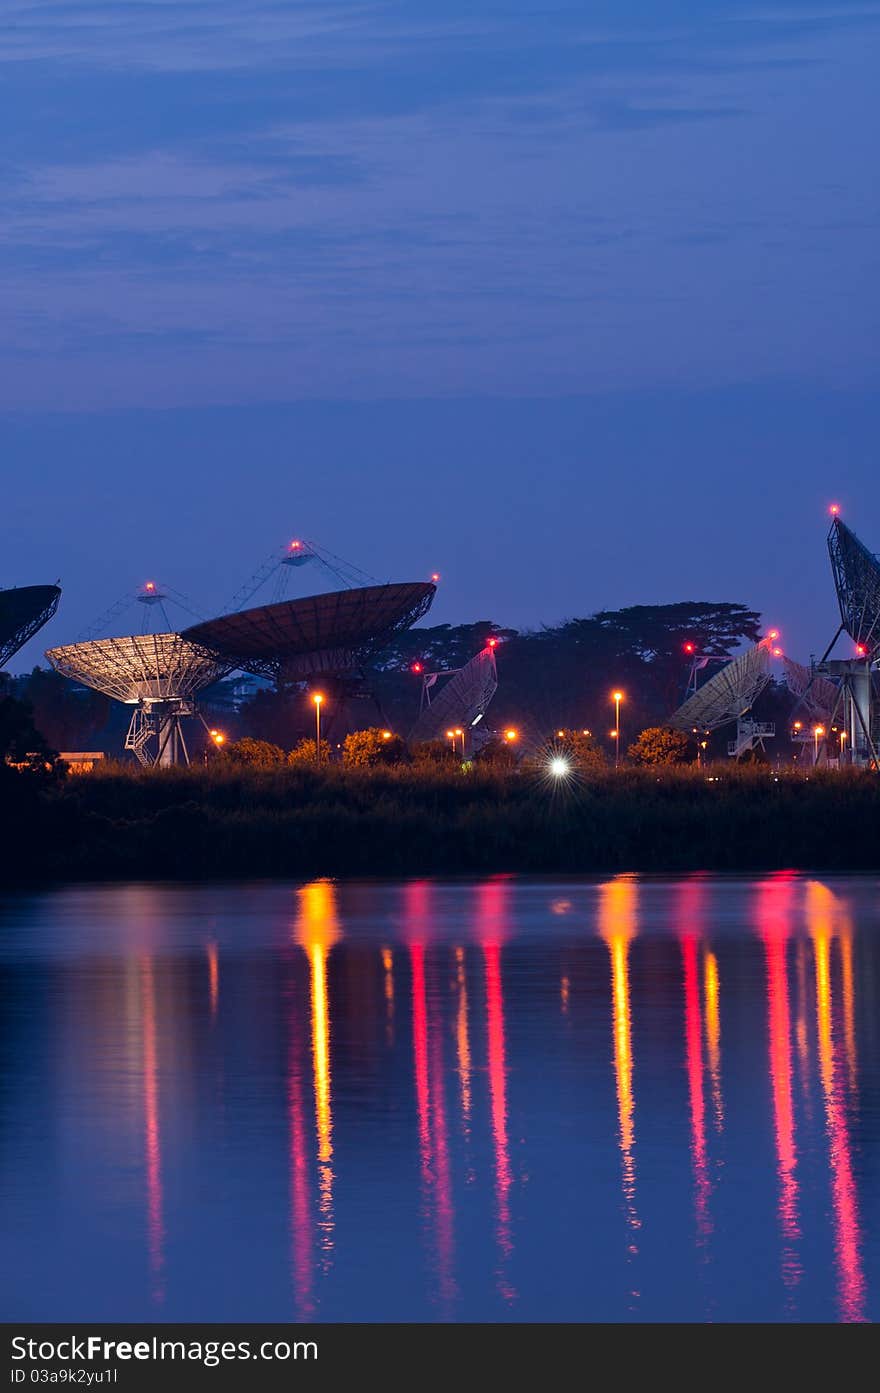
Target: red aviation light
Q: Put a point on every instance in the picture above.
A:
(690, 647)
(435, 576)
(773, 633)
(492, 643)
(150, 585)
(834, 510)
(777, 652)
(295, 546)
(861, 650)
(416, 667)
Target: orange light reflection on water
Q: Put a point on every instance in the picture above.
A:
(618, 919)
(462, 1040)
(821, 910)
(316, 931)
(712, 992)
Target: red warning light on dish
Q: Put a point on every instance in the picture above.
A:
(435, 576)
(416, 667)
(861, 650)
(295, 546)
(774, 633)
(150, 585)
(834, 510)
(690, 647)
(493, 643)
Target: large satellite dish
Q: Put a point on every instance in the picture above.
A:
(329, 634)
(461, 700)
(857, 580)
(23, 612)
(729, 694)
(158, 674)
(816, 696)
(138, 668)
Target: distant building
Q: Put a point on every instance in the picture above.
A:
(81, 761)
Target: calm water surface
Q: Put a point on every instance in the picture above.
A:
(625, 1100)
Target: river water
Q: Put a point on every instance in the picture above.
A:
(629, 1099)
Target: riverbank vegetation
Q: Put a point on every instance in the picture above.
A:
(228, 820)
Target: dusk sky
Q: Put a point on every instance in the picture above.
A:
(575, 303)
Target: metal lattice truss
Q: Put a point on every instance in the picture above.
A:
(816, 696)
(857, 579)
(462, 700)
(23, 612)
(141, 668)
(729, 694)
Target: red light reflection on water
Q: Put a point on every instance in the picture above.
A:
(153, 1139)
(773, 918)
(492, 920)
(691, 913)
(300, 1197)
(430, 1096)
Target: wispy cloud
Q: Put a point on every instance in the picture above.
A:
(352, 198)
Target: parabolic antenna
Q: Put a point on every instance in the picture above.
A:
(816, 696)
(327, 634)
(24, 611)
(857, 580)
(461, 700)
(729, 694)
(158, 674)
(141, 667)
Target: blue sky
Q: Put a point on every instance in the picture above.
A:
(575, 303)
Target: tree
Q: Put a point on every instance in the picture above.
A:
(364, 748)
(661, 745)
(256, 754)
(22, 747)
(304, 752)
(583, 749)
(498, 753)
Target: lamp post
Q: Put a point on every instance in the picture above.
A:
(617, 698)
(459, 732)
(318, 699)
(818, 732)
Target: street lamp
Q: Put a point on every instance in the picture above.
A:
(460, 732)
(617, 698)
(559, 767)
(511, 735)
(317, 698)
(818, 732)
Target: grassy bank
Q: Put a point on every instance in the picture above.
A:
(219, 822)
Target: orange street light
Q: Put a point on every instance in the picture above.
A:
(459, 732)
(617, 698)
(217, 736)
(511, 735)
(318, 698)
(386, 734)
(818, 732)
